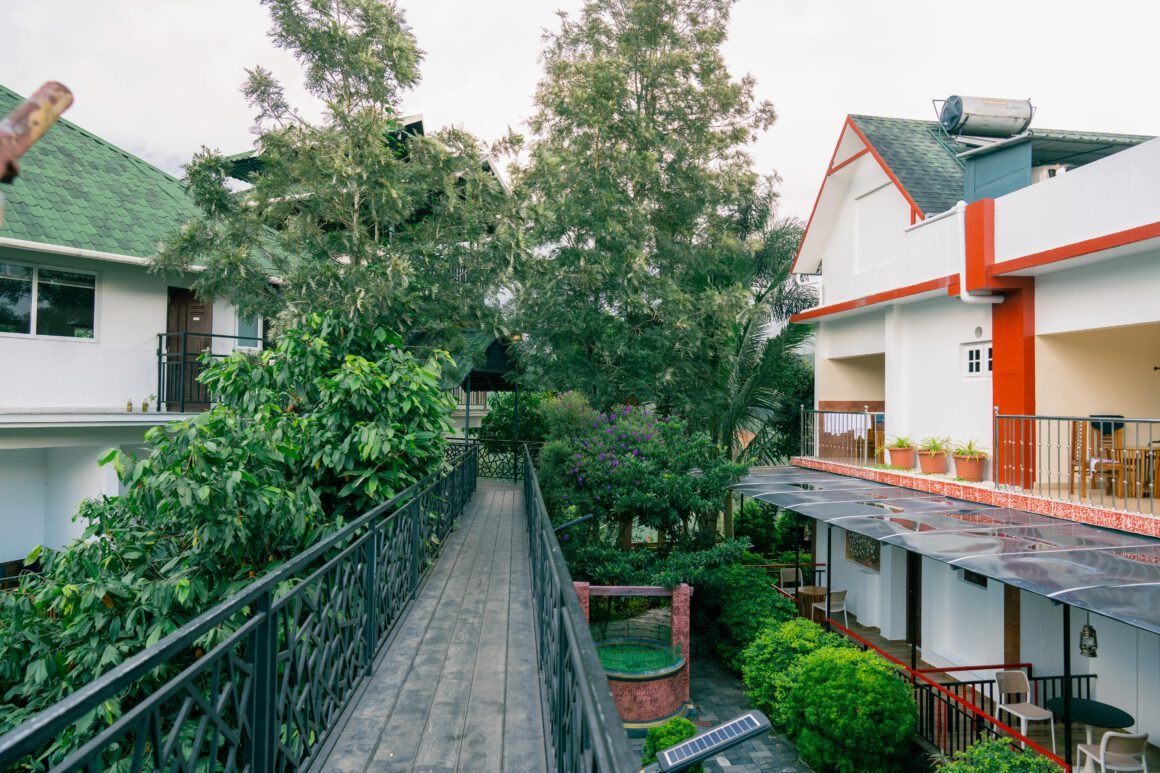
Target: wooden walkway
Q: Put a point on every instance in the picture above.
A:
(458, 687)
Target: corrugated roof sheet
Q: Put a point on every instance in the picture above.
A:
(78, 190)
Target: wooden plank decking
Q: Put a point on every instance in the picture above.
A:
(458, 687)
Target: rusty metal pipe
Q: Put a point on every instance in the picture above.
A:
(27, 123)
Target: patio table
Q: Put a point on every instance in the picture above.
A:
(807, 596)
(1092, 713)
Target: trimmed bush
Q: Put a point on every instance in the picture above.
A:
(848, 712)
(769, 659)
(669, 734)
(998, 757)
(748, 604)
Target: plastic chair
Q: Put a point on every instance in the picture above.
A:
(1117, 751)
(1014, 683)
(791, 580)
(837, 604)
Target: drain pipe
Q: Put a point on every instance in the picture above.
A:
(964, 295)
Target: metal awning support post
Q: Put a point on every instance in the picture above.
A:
(830, 569)
(912, 614)
(467, 400)
(1067, 684)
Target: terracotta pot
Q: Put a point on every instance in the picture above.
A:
(902, 457)
(932, 462)
(970, 468)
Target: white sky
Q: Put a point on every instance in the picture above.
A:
(160, 77)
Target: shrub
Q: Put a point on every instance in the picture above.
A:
(768, 661)
(771, 531)
(499, 422)
(748, 603)
(848, 712)
(669, 734)
(567, 415)
(997, 756)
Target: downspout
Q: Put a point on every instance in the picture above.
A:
(964, 295)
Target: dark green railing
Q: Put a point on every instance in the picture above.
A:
(283, 657)
(498, 459)
(584, 729)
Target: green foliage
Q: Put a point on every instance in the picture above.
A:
(499, 423)
(748, 603)
(770, 530)
(669, 734)
(602, 564)
(355, 214)
(633, 467)
(334, 419)
(935, 444)
(901, 442)
(567, 415)
(971, 450)
(848, 712)
(998, 756)
(768, 661)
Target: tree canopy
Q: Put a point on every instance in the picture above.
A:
(358, 213)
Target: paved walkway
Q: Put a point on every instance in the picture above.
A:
(719, 697)
(458, 687)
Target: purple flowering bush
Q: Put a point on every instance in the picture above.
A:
(635, 467)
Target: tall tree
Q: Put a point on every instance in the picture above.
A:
(641, 190)
(356, 213)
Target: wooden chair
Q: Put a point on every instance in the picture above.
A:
(1080, 451)
(1107, 460)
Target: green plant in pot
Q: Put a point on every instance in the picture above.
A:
(970, 460)
(932, 454)
(901, 450)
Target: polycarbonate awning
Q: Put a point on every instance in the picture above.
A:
(1111, 573)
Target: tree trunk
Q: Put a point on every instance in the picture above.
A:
(729, 514)
(626, 532)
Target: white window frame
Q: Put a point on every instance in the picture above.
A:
(36, 269)
(983, 358)
(258, 336)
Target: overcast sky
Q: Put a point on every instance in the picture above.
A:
(160, 77)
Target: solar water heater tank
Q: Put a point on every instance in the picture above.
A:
(985, 116)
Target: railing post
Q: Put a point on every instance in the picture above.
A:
(802, 428)
(160, 370)
(416, 545)
(264, 661)
(370, 579)
(182, 374)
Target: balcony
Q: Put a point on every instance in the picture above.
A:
(182, 357)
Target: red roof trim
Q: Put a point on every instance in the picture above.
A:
(871, 300)
(1077, 249)
(849, 160)
(818, 198)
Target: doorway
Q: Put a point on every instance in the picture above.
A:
(188, 333)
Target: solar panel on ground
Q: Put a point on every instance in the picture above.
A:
(713, 741)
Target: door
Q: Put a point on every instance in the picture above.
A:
(189, 324)
(914, 599)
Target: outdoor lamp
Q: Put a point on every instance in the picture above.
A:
(1087, 639)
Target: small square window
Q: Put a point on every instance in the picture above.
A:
(976, 359)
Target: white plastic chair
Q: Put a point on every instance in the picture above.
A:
(791, 580)
(1117, 751)
(1014, 683)
(837, 604)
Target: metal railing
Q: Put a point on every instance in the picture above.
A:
(584, 729)
(180, 363)
(947, 721)
(1106, 461)
(498, 459)
(290, 652)
(849, 437)
(478, 398)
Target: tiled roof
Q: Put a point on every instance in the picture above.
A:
(927, 168)
(77, 190)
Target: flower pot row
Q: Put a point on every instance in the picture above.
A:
(932, 453)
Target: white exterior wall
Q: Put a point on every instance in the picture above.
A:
(962, 624)
(72, 475)
(927, 392)
(118, 364)
(22, 476)
(877, 599)
(1113, 194)
(1124, 291)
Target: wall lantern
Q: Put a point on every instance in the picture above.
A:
(1087, 639)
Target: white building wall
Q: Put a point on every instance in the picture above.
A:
(927, 392)
(22, 501)
(72, 475)
(962, 624)
(1112, 293)
(1113, 194)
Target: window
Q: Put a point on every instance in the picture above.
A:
(977, 360)
(248, 332)
(46, 301)
(974, 578)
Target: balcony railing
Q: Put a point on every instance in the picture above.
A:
(1106, 461)
(181, 359)
(584, 729)
(478, 398)
(293, 649)
(498, 459)
(849, 437)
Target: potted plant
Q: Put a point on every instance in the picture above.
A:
(146, 401)
(901, 452)
(970, 459)
(932, 454)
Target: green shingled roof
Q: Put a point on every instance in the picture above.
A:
(924, 160)
(77, 190)
(927, 168)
